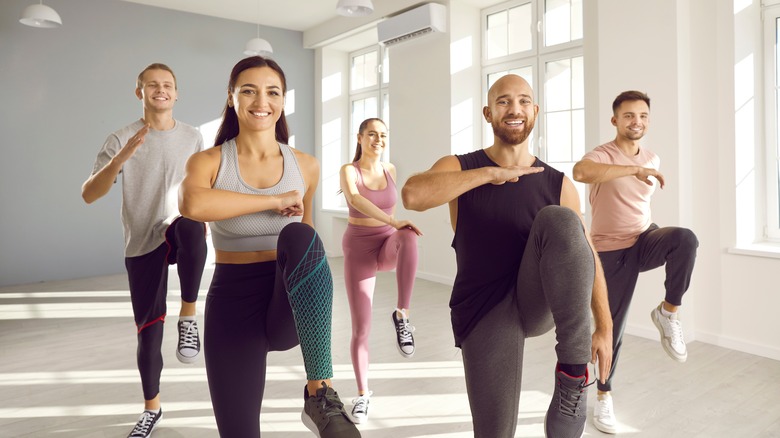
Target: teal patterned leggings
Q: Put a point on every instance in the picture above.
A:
(255, 308)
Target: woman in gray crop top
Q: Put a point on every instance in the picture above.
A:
(272, 286)
(375, 241)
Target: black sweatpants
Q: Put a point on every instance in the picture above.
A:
(673, 246)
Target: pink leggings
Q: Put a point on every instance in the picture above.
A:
(366, 251)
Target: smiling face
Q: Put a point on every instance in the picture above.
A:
(373, 139)
(157, 90)
(511, 110)
(257, 98)
(632, 119)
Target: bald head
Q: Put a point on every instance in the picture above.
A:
(507, 84)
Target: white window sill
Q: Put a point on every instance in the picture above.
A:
(766, 249)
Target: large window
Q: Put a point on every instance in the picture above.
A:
(369, 96)
(541, 40)
(369, 80)
(772, 95)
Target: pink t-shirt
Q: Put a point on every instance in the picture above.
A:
(621, 207)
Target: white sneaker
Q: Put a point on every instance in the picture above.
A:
(604, 415)
(671, 332)
(188, 347)
(360, 408)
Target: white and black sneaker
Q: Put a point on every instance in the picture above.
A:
(403, 332)
(360, 408)
(146, 424)
(188, 347)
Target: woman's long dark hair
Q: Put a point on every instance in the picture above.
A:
(229, 127)
(363, 125)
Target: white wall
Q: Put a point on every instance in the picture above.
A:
(65, 90)
(683, 53)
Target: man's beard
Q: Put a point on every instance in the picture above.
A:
(512, 136)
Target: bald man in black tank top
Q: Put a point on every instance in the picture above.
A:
(525, 265)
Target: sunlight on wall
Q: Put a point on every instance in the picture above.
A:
(209, 132)
(331, 163)
(745, 152)
(331, 87)
(739, 5)
(460, 55)
(461, 128)
(289, 103)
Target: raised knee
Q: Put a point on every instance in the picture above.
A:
(407, 236)
(687, 239)
(558, 216)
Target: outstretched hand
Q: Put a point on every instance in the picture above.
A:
(644, 174)
(507, 174)
(290, 204)
(601, 353)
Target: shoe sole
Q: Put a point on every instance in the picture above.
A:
(405, 355)
(671, 353)
(309, 423)
(604, 428)
(185, 359)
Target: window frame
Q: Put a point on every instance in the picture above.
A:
(771, 34)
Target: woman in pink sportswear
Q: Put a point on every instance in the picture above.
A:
(374, 241)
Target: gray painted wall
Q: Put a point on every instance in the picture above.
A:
(62, 91)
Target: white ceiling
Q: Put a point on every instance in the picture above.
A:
(297, 15)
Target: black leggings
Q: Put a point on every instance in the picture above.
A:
(255, 308)
(185, 245)
(673, 246)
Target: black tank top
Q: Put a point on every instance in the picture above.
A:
(492, 228)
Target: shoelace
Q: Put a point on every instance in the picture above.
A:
(571, 399)
(144, 423)
(188, 338)
(404, 329)
(605, 409)
(329, 404)
(676, 329)
(361, 404)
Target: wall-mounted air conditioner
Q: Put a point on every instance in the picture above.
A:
(422, 20)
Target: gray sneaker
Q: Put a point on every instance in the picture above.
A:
(324, 415)
(568, 408)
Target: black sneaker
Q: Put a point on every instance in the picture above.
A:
(324, 415)
(188, 347)
(403, 334)
(569, 407)
(146, 424)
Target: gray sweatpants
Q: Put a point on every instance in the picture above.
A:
(554, 287)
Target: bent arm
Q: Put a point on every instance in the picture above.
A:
(442, 183)
(591, 172)
(348, 177)
(311, 170)
(199, 201)
(100, 183)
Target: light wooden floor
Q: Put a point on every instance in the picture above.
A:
(67, 369)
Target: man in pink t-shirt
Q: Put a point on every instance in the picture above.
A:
(628, 242)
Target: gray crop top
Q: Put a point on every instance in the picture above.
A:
(257, 231)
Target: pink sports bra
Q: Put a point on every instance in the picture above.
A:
(385, 199)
